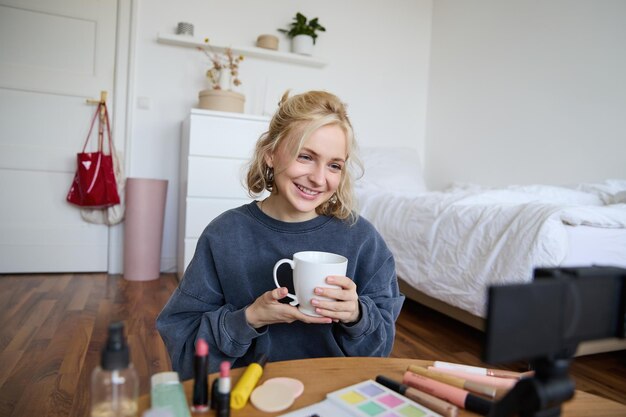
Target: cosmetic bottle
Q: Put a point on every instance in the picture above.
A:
(114, 384)
(167, 392)
(157, 412)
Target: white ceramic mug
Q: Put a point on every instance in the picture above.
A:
(310, 270)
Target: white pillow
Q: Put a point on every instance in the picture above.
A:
(619, 198)
(611, 191)
(391, 169)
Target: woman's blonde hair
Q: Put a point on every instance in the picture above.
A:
(295, 120)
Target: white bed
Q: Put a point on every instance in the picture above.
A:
(450, 246)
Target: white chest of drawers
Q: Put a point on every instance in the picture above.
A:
(215, 149)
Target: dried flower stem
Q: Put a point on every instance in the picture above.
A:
(222, 62)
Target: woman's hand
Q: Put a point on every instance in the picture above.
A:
(346, 307)
(268, 310)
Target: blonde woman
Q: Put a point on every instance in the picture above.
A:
(227, 295)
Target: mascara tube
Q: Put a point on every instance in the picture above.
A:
(201, 377)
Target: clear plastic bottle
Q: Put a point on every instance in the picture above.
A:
(114, 384)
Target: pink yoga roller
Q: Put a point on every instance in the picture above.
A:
(143, 228)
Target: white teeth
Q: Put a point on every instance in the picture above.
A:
(306, 190)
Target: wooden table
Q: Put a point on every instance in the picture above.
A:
(323, 375)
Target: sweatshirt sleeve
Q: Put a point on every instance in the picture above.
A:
(197, 310)
(380, 303)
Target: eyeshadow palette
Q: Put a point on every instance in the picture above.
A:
(365, 399)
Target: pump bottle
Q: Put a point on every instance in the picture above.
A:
(114, 384)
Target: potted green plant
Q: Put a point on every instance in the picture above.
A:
(302, 33)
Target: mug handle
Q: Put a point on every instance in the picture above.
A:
(279, 263)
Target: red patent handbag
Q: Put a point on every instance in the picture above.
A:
(94, 183)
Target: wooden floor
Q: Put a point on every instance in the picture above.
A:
(54, 327)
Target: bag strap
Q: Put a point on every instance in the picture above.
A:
(108, 123)
(93, 121)
(102, 107)
(111, 146)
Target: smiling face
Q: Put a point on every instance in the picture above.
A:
(304, 183)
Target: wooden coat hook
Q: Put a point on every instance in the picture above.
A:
(103, 100)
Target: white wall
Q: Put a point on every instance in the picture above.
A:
(377, 54)
(527, 92)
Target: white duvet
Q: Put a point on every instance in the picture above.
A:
(452, 245)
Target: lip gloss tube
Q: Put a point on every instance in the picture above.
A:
(201, 377)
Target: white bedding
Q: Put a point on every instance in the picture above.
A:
(452, 245)
(594, 245)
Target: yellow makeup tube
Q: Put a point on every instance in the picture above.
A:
(246, 383)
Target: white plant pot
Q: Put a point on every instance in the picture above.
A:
(302, 44)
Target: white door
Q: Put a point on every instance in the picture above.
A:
(54, 54)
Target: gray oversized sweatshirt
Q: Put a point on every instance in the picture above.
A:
(233, 265)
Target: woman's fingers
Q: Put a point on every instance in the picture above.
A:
(346, 292)
(279, 293)
(344, 304)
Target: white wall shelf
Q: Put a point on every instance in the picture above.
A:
(246, 51)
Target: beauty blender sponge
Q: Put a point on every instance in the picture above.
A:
(294, 385)
(271, 398)
(276, 394)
